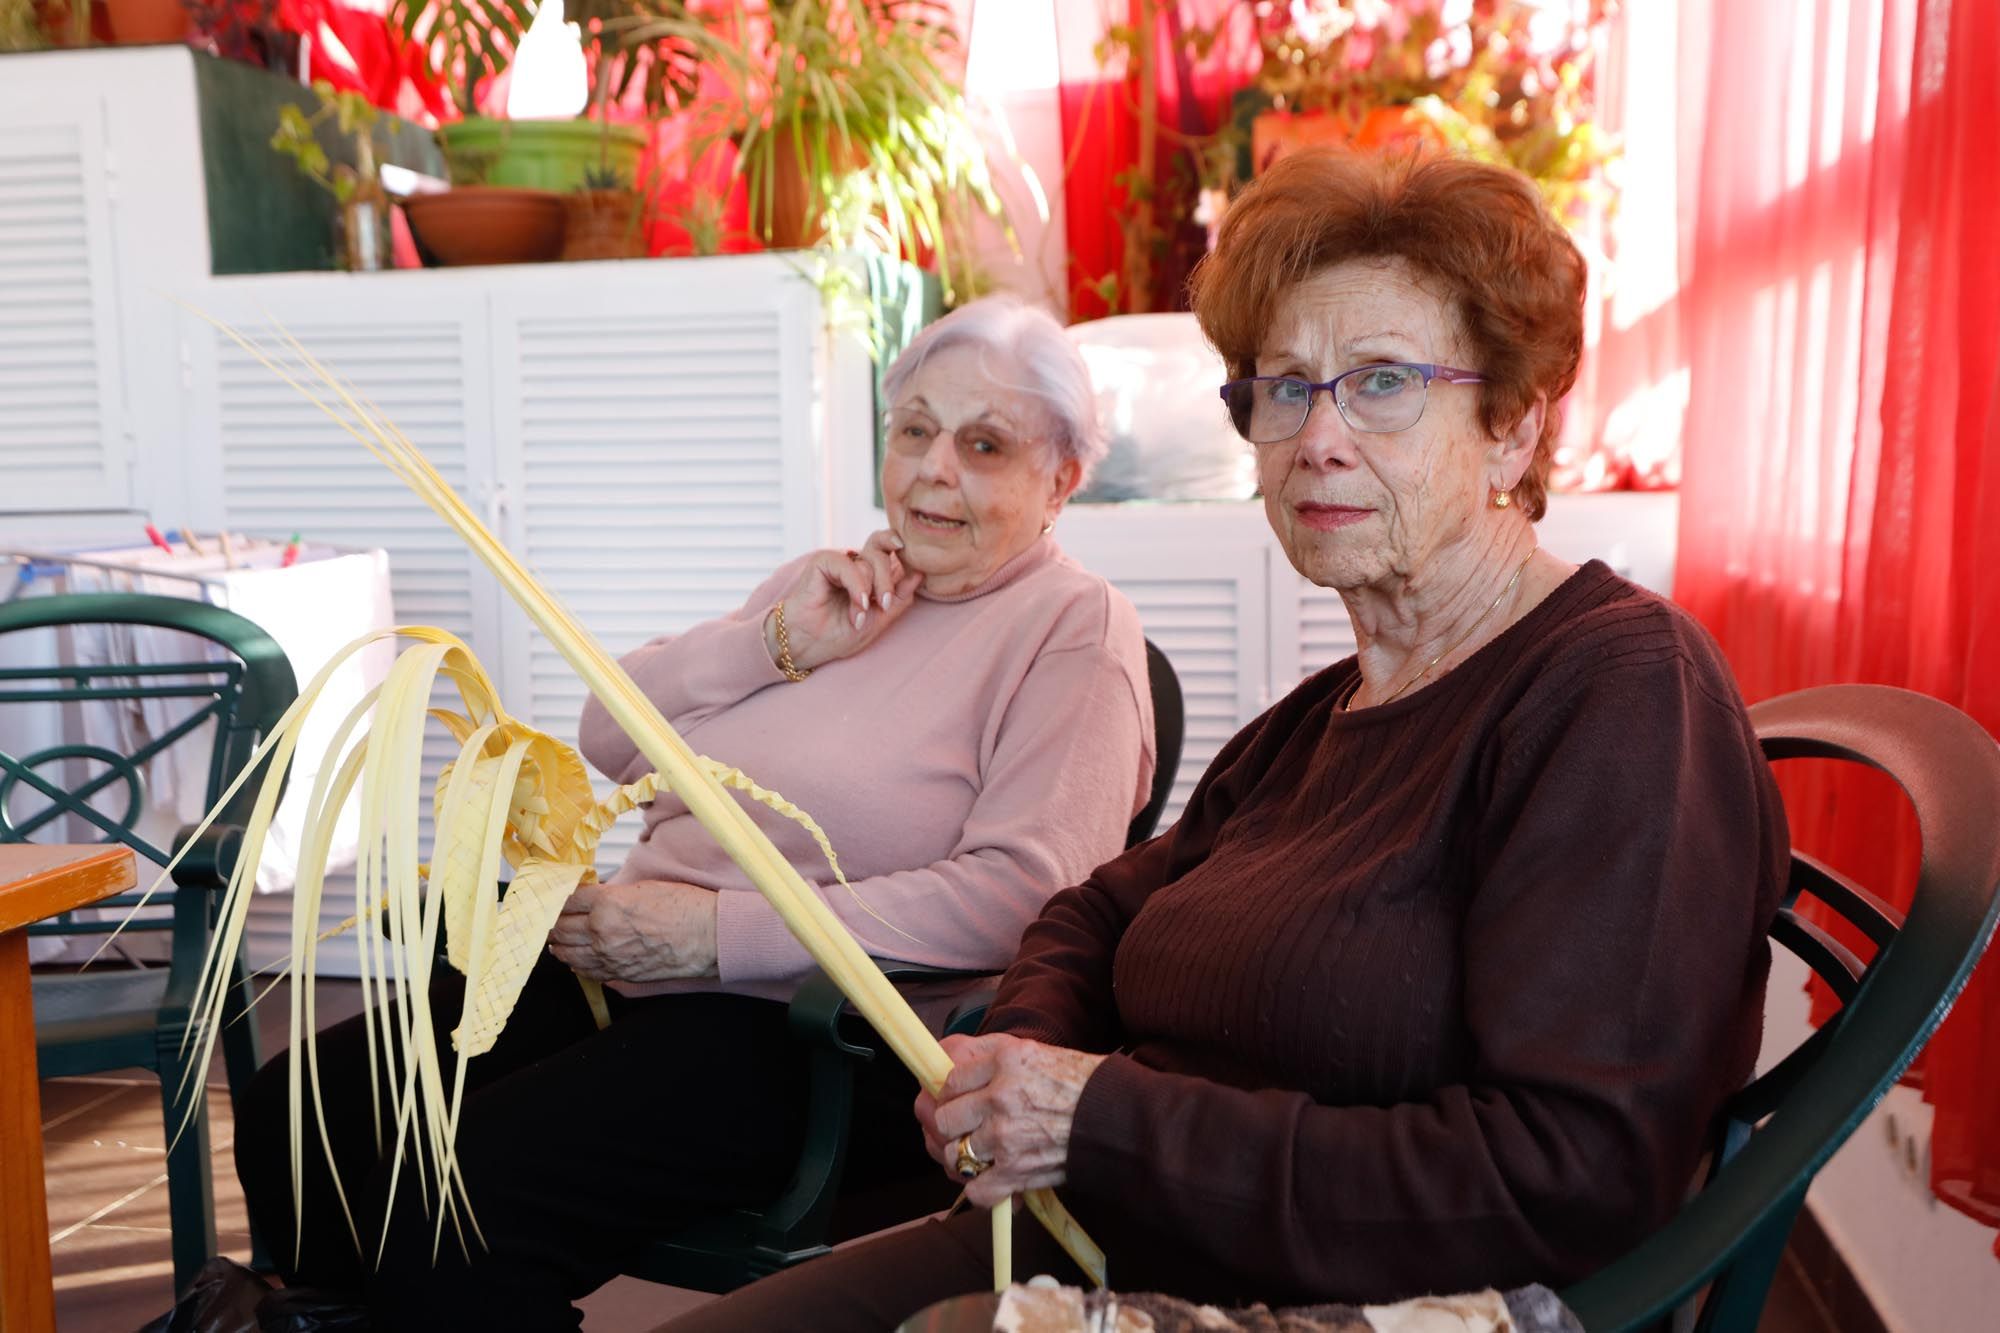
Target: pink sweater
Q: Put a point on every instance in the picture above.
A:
(986, 751)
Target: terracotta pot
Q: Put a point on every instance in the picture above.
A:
(791, 198)
(604, 224)
(488, 224)
(1275, 133)
(147, 22)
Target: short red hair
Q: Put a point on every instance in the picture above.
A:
(1481, 231)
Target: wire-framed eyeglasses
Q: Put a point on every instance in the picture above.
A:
(1377, 399)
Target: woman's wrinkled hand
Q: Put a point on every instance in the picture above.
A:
(1017, 1100)
(647, 930)
(844, 600)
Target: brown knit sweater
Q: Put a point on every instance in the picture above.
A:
(1432, 996)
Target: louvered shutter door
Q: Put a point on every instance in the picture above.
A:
(657, 459)
(281, 467)
(1211, 628)
(61, 433)
(1202, 598)
(1325, 633)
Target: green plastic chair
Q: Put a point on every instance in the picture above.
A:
(118, 1018)
(812, 1214)
(1781, 1129)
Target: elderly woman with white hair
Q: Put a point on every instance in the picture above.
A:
(959, 705)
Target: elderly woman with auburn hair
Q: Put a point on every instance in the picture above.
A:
(1456, 951)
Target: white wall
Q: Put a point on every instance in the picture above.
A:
(1927, 1267)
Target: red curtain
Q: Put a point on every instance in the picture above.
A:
(1840, 320)
(1103, 101)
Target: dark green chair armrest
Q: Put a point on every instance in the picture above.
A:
(199, 880)
(815, 1012)
(210, 858)
(793, 1227)
(817, 1006)
(970, 1011)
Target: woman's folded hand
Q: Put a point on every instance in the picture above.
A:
(843, 602)
(1013, 1102)
(647, 930)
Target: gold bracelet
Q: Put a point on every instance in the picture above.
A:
(785, 663)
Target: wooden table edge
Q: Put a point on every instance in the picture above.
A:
(53, 883)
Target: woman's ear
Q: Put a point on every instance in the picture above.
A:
(1069, 475)
(1514, 450)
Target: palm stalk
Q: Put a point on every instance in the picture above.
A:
(516, 792)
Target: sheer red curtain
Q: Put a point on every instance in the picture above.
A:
(1840, 318)
(1102, 94)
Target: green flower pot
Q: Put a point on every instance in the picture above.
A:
(539, 154)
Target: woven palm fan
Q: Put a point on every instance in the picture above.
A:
(513, 793)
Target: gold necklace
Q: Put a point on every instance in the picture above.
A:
(1459, 642)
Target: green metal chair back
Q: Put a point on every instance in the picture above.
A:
(1782, 1128)
(243, 696)
(116, 1018)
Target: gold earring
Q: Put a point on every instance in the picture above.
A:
(1501, 499)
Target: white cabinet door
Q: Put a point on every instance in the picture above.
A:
(269, 463)
(1208, 617)
(274, 464)
(62, 423)
(1324, 633)
(655, 455)
(1199, 578)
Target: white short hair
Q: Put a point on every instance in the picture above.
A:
(1025, 350)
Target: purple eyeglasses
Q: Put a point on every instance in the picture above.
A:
(1380, 398)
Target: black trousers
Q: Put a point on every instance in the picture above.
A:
(575, 1145)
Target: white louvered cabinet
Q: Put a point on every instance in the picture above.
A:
(263, 460)
(270, 463)
(1199, 576)
(62, 400)
(651, 438)
(655, 453)
(101, 213)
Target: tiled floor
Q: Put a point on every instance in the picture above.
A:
(107, 1192)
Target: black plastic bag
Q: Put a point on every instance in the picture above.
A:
(309, 1310)
(226, 1297)
(222, 1298)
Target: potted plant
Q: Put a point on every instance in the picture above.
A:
(468, 41)
(604, 218)
(851, 126)
(1501, 80)
(530, 170)
(362, 223)
(475, 39)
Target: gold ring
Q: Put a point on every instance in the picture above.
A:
(970, 1163)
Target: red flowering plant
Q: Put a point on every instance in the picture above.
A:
(1509, 81)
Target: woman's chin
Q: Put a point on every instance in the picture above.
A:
(1326, 559)
(935, 548)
